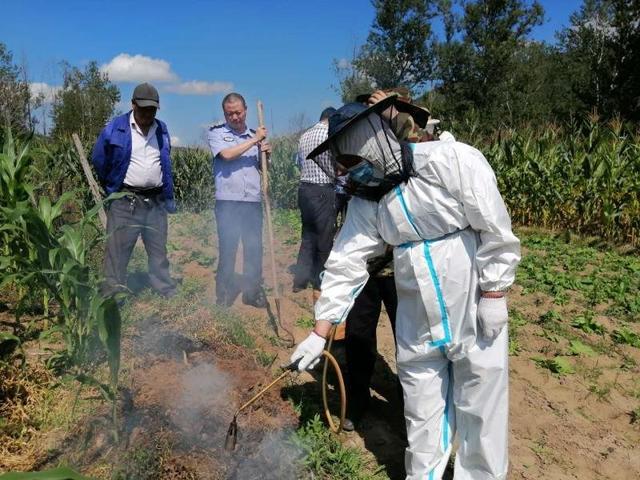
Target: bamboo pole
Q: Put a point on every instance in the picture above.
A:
(93, 185)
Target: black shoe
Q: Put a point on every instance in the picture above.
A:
(168, 293)
(226, 297)
(221, 301)
(258, 300)
(348, 425)
(298, 287)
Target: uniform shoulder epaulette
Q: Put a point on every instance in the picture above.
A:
(216, 125)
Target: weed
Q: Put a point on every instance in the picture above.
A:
(558, 365)
(233, 328)
(634, 416)
(326, 457)
(549, 318)
(305, 322)
(514, 347)
(552, 337)
(265, 359)
(626, 336)
(570, 271)
(601, 392)
(576, 347)
(541, 449)
(143, 463)
(592, 373)
(587, 324)
(201, 258)
(628, 363)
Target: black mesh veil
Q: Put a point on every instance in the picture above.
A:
(369, 138)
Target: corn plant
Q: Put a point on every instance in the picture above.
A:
(284, 175)
(39, 255)
(192, 178)
(583, 177)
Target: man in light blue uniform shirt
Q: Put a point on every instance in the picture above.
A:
(236, 169)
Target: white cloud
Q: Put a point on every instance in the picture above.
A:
(175, 141)
(343, 63)
(47, 91)
(198, 87)
(138, 68)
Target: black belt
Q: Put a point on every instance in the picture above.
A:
(144, 191)
(317, 184)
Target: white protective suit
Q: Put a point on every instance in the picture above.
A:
(452, 237)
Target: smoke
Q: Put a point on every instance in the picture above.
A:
(204, 391)
(276, 457)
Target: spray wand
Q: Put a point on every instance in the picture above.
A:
(232, 432)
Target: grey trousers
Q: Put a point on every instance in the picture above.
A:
(128, 218)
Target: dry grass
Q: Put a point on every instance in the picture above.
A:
(23, 390)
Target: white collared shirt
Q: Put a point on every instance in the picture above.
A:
(144, 169)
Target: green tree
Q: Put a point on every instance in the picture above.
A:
(479, 58)
(85, 103)
(398, 51)
(602, 46)
(15, 97)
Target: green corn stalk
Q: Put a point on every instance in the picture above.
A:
(39, 254)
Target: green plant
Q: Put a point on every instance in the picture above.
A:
(60, 473)
(558, 365)
(601, 392)
(42, 253)
(634, 416)
(514, 347)
(626, 336)
(283, 172)
(233, 328)
(142, 463)
(9, 344)
(193, 179)
(576, 347)
(306, 322)
(326, 457)
(265, 359)
(587, 324)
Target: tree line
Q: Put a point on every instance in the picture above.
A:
(85, 102)
(460, 58)
(463, 56)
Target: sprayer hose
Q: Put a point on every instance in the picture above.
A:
(328, 358)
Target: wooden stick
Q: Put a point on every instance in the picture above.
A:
(93, 185)
(267, 208)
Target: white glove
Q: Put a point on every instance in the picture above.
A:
(309, 351)
(492, 316)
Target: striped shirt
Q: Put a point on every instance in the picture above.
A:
(310, 172)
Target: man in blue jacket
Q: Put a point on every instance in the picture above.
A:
(132, 155)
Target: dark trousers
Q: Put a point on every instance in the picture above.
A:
(239, 222)
(128, 218)
(318, 212)
(361, 339)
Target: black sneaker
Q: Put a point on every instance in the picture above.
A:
(258, 300)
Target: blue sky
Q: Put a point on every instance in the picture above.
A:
(195, 50)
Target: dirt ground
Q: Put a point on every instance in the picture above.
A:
(182, 384)
(559, 427)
